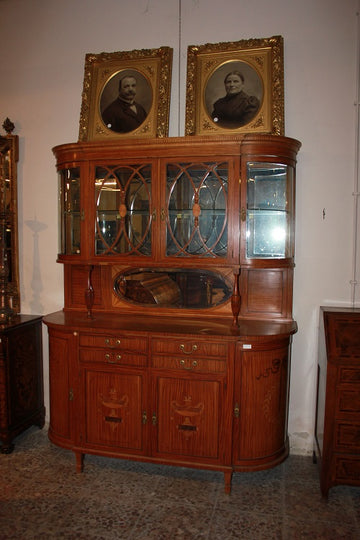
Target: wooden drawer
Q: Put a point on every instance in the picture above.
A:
(348, 400)
(118, 342)
(199, 365)
(344, 336)
(113, 357)
(347, 437)
(189, 348)
(349, 374)
(347, 469)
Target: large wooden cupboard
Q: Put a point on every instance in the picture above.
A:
(174, 342)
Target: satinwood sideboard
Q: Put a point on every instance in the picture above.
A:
(174, 342)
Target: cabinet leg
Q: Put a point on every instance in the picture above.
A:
(79, 461)
(227, 478)
(7, 448)
(41, 421)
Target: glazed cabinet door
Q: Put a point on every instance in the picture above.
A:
(124, 210)
(189, 401)
(71, 211)
(63, 391)
(260, 404)
(268, 216)
(199, 209)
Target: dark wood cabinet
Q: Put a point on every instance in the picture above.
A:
(21, 378)
(174, 342)
(337, 432)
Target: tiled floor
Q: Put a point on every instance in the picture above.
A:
(42, 497)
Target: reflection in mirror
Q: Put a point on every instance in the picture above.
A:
(178, 288)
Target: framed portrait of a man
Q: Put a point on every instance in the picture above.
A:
(235, 87)
(126, 94)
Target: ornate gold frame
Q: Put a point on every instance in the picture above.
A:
(262, 60)
(151, 67)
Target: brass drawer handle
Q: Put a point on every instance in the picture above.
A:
(193, 349)
(107, 342)
(193, 365)
(109, 358)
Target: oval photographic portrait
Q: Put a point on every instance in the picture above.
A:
(125, 101)
(233, 95)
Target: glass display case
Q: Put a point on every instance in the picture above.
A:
(269, 213)
(174, 214)
(70, 213)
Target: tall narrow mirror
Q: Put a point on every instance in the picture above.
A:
(9, 260)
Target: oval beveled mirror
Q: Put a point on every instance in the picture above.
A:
(178, 288)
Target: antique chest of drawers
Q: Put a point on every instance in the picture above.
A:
(337, 431)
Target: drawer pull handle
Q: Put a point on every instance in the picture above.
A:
(144, 417)
(193, 365)
(193, 349)
(109, 358)
(107, 342)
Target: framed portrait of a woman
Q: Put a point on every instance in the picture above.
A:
(235, 87)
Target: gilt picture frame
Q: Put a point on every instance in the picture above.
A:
(126, 94)
(216, 72)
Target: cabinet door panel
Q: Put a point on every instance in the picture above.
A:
(60, 384)
(261, 392)
(188, 417)
(113, 409)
